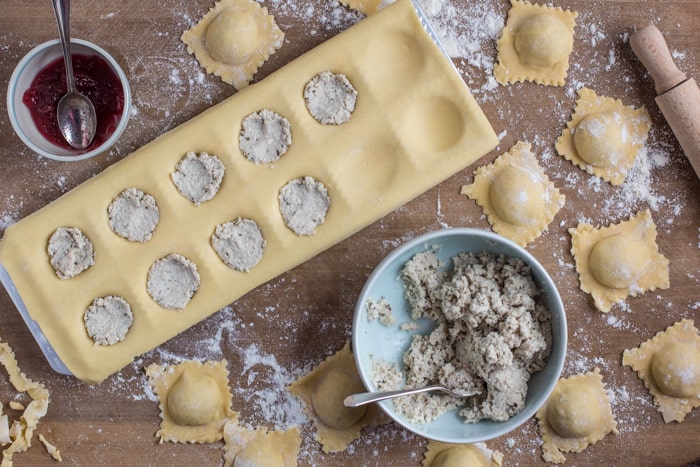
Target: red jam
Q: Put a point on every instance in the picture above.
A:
(94, 78)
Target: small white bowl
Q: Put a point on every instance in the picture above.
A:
(374, 341)
(21, 79)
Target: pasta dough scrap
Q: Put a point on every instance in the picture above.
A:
(51, 449)
(461, 455)
(323, 391)
(576, 415)
(367, 7)
(516, 195)
(194, 400)
(669, 366)
(233, 40)
(20, 434)
(604, 136)
(535, 44)
(619, 261)
(260, 448)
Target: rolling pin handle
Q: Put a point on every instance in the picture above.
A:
(650, 48)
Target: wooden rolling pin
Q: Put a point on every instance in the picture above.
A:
(678, 97)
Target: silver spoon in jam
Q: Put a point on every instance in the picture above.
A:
(75, 113)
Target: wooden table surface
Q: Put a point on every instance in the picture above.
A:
(282, 329)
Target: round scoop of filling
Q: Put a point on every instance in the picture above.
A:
(543, 41)
(327, 399)
(574, 411)
(600, 139)
(195, 399)
(676, 369)
(619, 261)
(517, 197)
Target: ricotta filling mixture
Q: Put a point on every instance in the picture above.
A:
(239, 244)
(70, 252)
(198, 176)
(172, 281)
(108, 320)
(134, 215)
(265, 136)
(491, 334)
(304, 203)
(330, 98)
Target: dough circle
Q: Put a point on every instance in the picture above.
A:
(108, 320)
(676, 369)
(133, 215)
(600, 140)
(198, 177)
(516, 197)
(327, 399)
(618, 261)
(330, 98)
(574, 411)
(195, 399)
(70, 252)
(457, 456)
(232, 37)
(265, 136)
(239, 244)
(172, 281)
(304, 203)
(543, 41)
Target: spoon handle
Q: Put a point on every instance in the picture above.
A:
(356, 400)
(62, 10)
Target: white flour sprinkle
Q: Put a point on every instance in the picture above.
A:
(469, 31)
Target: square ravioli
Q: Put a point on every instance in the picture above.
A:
(576, 415)
(194, 400)
(516, 195)
(669, 365)
(604, 136)
(444, 455)
(619, 261)
(323, 391)
(260, 447)
(233, 40)
(535, 45)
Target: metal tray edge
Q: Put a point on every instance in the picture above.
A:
(51, 356)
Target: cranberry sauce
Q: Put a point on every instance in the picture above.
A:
(94, 78)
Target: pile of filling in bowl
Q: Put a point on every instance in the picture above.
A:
(491, 334)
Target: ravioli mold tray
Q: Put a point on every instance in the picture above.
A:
(415, 124)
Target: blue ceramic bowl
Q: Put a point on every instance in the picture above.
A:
(374, 341)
